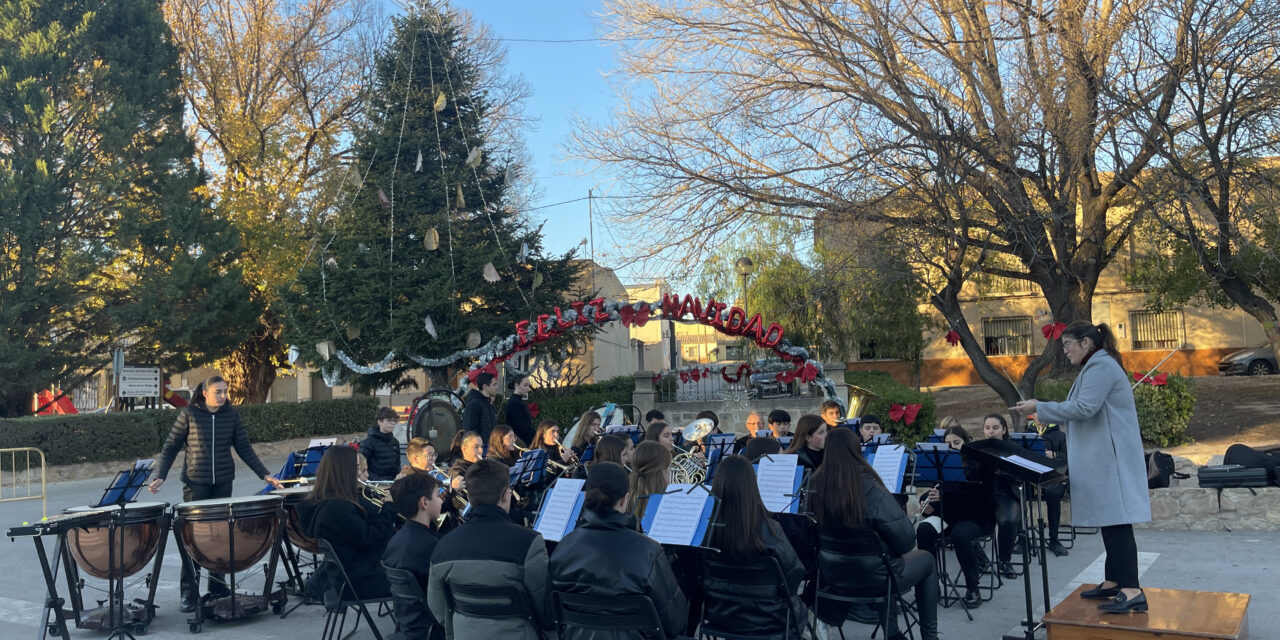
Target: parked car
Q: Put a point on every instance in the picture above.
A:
(1258, 361)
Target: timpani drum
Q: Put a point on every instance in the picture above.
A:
(228, 535)
(294, 496)
(141, 527)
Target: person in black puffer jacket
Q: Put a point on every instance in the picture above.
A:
(606, 557)
(477, 410)
(519, 418)
(380, 448)
(848, 495)
(206, 431)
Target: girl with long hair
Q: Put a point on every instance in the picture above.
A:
(1107, 470)
(650, 474)
(586, 432)
(613, 447)
(848, 495)
(809, 441)
(337, 511)
(662, 433)
(743, 530)
(548, 437)
(606, 556)
(502, 445)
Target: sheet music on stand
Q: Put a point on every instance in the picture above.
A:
(779, 476)
(560, 509)
(680, 516)
(321, 443)
(723, 442)
(890, 463)
(631, 430)
(125, 486)
(530, 468)
(852, 423)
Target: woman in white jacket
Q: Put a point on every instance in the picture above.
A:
(1106, 468)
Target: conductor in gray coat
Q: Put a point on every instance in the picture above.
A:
(1106, 468)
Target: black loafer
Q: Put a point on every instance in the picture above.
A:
(1121, 604)
(1057, 549)
(1098, 593)
(972, 600)
(1007, 570)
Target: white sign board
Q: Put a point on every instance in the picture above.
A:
(139, 382)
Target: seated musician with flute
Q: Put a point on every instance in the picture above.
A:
(338, 511)
(418, 498)
(606, 557)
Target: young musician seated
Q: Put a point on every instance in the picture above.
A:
(455, 449)
(661, 433)
(1055, 444)
(847, 494)
(754, 424)
(489, 550)
(548, 437)
(830, 413)
(650, 474)
(808, 443)
(472, 452)
(869, 427)
(749, 532)
(612, 447)
(337, 511)
(700, 445)
(780, 423)
(651, 416)
(968, 513)
(418, 499)
(380, 447)
(502, 445)
(586, 433)
(761, 447)
(606, 557)
(422, 457)
(1005, 499)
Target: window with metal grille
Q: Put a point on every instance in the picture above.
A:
(1156, 329)
(1009, 336)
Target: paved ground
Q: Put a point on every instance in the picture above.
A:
(1184, 560)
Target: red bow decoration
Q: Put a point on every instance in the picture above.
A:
(657, 377)
(684, 376)
(1158, 380)
(808, 372)
(491, 368)
(953, 337)
(633, 315)
(696, 375)
(742, 368)
(1053, 331)
(905, 414)
(534, 410)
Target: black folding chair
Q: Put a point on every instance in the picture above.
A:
(336, 605)
(758, 586)
(614, 613)
(492, 602)
(405, 589)
(867, 589)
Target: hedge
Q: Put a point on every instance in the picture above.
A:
(104, 437)
(1164, 413)
(566, 405)
(892, 392)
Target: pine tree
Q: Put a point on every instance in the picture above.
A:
(421, 170)
(103, 235)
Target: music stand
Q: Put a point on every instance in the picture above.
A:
(722, 442)
(937, 465)
(530, 469)
(124, 489)
(1030, 441)
(698, 537)
(1036, 472)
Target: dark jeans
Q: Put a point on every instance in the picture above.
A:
(919, 571)
(189, 583)
(964, 535)
(1053, 505)
(1008, 520)
(1122, 555)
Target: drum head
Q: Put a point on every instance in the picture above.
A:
(134, 512)
(292, 495)
(225, 508)
(436, 414)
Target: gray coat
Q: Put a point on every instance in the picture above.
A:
(1107, 469)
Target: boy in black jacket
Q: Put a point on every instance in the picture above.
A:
(418, 498)
(380, 448)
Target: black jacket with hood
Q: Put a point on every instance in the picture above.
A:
(382, 451)
(478, 414)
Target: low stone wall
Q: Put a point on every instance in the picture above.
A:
(1186, 506)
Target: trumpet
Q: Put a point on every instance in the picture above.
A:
(379, 493)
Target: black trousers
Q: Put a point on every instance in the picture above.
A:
(1008, 522)
(189, 584)
(1122, 555)
(1053, 505)
(919, 571)
(964, 535)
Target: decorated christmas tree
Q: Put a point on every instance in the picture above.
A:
(426, 259)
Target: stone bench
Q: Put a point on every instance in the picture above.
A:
(1186, 506)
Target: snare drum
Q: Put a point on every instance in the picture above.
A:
(211, 529)
(91, 546)
(294, 496)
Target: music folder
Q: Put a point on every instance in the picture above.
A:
(1014, 460)
(560, 509)
(530, 468)
(680, 516)
(936, 462)
(125, 486)
(779, 476)
(630, 430)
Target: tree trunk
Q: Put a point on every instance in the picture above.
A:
(949, 306)
(251, 369)
(1263, 311)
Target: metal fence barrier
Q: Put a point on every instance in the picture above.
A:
(16, 481)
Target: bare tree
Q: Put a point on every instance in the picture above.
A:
(987, 134)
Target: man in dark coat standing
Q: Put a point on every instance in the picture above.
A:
(206, 431)
(477, 410)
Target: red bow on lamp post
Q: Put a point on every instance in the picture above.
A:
(1158, 380)
(904, 413)
(491, 368)
(1053, 331)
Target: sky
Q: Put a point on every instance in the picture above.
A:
(565, 78)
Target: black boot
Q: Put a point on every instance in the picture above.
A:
(1057, 549)
(189, 599)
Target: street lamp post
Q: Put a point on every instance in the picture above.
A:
(745, 267)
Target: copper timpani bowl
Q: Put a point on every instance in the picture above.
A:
(294, 496)
(141, 527)
(207, 529)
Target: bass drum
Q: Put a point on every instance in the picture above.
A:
(143, 525)
(294, 496)
(210, 529)
(438, 417)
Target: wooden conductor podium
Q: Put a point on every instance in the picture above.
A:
(1171, 615)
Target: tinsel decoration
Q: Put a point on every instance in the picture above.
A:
(491, 273)
(366, 370)
(331, 377)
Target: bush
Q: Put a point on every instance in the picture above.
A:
(1164, 413)
(892, 392)
(1052, 390)
(566, 405)
(105, 437)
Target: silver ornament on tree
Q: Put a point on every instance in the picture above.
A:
(430, 326)
(432, 239)
(491, 273)
(473, 339)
